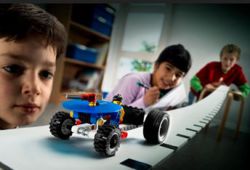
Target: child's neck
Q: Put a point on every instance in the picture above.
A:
(224, 71)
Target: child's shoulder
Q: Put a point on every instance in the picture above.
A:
(142, 77)
(237, 67)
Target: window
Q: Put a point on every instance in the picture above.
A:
(129, 65)
(142, 32)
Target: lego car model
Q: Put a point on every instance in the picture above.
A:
(105, 117)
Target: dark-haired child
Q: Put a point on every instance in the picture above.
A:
(169, 70)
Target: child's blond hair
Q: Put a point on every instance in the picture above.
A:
(231, 48)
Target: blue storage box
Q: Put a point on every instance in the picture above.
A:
(82, 53)
(105, 12)
(99, 17)
(100, 25)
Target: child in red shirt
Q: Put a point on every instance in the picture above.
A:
(226, 72)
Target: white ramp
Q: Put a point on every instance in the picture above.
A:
(35, 148)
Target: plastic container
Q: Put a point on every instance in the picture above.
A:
(82, 53)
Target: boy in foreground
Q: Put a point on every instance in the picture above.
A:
(31, 40)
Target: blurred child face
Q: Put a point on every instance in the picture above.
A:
(228, 60)
(26, 76)
(166, 76)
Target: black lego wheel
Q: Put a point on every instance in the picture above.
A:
(61, 124)
(107, 140)
(155, 127)
(133, 115)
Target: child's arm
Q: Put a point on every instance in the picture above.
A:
(129, 90)
(245, 89)
(196, 84)
(241, 82)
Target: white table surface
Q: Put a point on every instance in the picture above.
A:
(35, 148)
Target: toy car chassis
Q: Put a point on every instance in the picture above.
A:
(87, 114)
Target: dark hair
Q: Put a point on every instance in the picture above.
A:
(19, 22)
(231, 48)
(176, 55)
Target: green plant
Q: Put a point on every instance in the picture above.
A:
(141, 65)
(148, 47)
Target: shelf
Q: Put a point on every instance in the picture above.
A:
(89, 31)
(78, 33)
(73, 61)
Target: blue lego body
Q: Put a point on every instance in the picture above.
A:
(103, 108)
(83, 106)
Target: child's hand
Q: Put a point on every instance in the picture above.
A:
(214, 85)
(210, 87)
(152, 95)
(218, 83)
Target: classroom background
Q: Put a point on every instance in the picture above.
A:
(106, 41)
